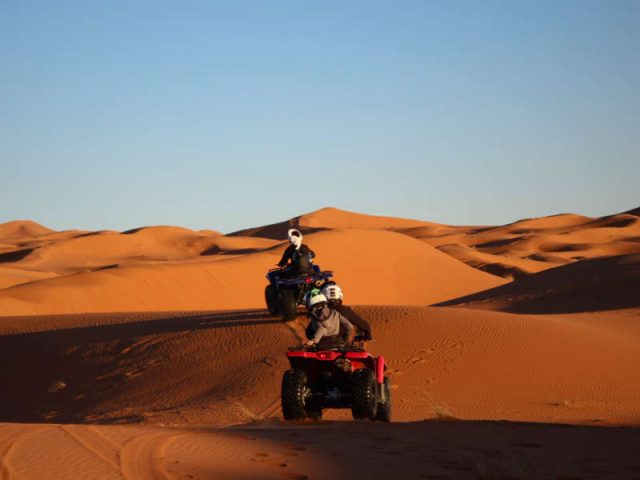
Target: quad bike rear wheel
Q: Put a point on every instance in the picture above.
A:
(364, 401)
(287, 304)
(384, 408)
(295, 394)
(271, 299)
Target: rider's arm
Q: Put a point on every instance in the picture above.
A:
(311, 253)
(311, 330)
(359, 322)
(319, 333)
(286, 256)
(347, 327)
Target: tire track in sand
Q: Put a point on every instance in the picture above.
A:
(270, 409)
(141, 458)
(9, 437)
(7, 444)
(96, 444)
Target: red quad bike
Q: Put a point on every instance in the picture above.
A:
(337, 378)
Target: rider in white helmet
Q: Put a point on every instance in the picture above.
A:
(335, 297)
(298, 257)
(329, 328)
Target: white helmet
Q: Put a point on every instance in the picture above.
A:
(333, 292)
(311, 293)
(316, 299)
(295, 237)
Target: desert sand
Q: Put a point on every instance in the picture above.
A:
(513, 350)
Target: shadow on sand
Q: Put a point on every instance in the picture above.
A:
(35, 368)
(458, 449)
(595, 284)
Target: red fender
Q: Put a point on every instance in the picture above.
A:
(380, 368)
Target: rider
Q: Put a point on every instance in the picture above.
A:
(298, 257)
(326, 324)
(333, 293)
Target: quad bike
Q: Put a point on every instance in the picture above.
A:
(337, 378)
(284, 293)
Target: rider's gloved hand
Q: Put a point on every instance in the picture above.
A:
(309, 343)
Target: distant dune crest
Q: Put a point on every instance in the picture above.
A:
(21, 229)
(378, 260)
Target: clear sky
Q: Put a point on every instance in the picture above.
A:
(225, 115)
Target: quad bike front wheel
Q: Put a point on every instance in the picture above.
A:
(384, 408)
(287, 304)
(364, 401)
(296, 396)
(271, 299)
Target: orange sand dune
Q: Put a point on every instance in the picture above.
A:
(457, 362)
(225, 367)
(331, 218)
(238, 245)
(494, 264)
(603, 283)
(434, 449)
(71, 252)
(171, 268)
(335, 218)
(563, 220)
(411, 271)
(532, 245)
(171, 374)
(29, 243)
(193, 370)
(91, 249)
(22, 229)
(16, 276)
(404, 270)
(231, 283)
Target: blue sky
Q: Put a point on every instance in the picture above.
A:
(227, 115)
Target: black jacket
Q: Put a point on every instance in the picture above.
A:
(300, 259)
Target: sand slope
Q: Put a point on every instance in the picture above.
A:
(331, 218)
(468, 450)
(603, 283)
(382, 267)
(21, 229)
(460, 369)
(172, 268)
(192, 368)
(88, 250)
(533, 245)
(225, 367)
(411, 271)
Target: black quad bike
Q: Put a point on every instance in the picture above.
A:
(284, 293)
(337, 378)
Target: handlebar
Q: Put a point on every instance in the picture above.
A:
(357, 342)
(314, 348)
